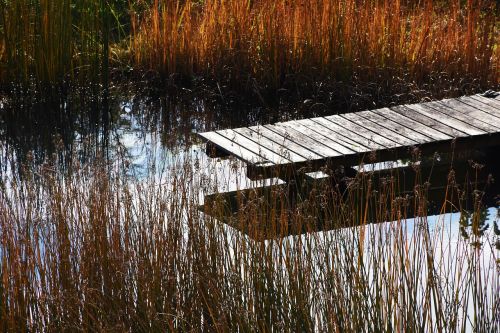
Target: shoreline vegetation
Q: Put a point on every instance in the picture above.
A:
(255, 47)
(94, 250)
(87, 245)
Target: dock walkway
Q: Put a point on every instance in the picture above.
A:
(344, 139)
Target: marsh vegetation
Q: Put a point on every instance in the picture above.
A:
(92, 248)
(104, 221)
(250, 44)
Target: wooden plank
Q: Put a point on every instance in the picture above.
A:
(477, 103)
(428, 121)
(404, 131)
(235, 149)
(485, 100)
(303, 141)
(365, 141)
(380, 130)
(285, 144)
(495, 112)
(257, 147)
(478, 118)
(458, 115)
(297, 136)
(319, 139)
(270, 149)
(265, 142)
(405, 121)
(470, 116)
(446, 118)
(332, 138)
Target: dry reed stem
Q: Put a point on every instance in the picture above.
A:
(242, 40)
(92, 249)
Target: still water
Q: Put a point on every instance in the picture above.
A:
(147, 134)
(145, 131)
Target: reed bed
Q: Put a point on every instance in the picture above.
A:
(90, 248)
(251, 44)
(49, 42)
(279, 41)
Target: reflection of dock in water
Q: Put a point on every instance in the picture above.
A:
(268, 211)
(317, 159)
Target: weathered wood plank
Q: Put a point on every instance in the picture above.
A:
(417, 126)
(493, 112)
(481, 106)
(285, 144)
(445, 118)
(320, 150)
(459, 115)
(380, 130)
(361, 139)
(318, 138)
(356, 129)
(486, 101)
(314, 143)
(243, 153)
(478, 118)
(257, 147)
(327, 135)
(429, 121)
(275, 147)
(298, 136)
(395, 127)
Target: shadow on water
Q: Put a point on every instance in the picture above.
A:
(37, 125)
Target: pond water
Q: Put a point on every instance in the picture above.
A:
(145, 133)
(143, 128)
(148, 136)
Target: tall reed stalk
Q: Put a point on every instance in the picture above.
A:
(52, 41)
(271, 40)
(91, 249)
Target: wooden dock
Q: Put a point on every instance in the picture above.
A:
(346, 139)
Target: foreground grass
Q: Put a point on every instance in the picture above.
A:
(89, 248)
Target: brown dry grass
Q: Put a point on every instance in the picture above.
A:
(271, 40)
(90, 249)
(248, 43)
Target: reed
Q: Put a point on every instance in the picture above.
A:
(275, 40)
(90, 248)
(49, 42)
(243, 42)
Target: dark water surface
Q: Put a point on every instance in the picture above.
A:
(82, 124)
